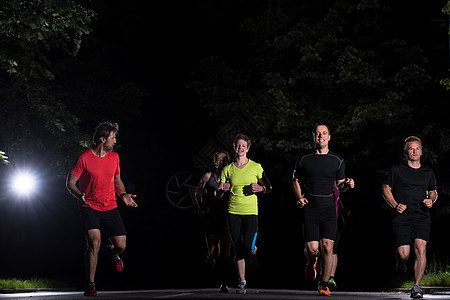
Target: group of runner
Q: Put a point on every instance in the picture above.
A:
(228, 196)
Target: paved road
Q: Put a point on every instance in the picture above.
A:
(213, 294)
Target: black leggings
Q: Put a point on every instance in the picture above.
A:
(243, 231)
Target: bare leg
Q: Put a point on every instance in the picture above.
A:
(93, 238)
(119, 243)
(327, 253)
(311, 252)
(420, 263)
(240, 263)
(334, 267)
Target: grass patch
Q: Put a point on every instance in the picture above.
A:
(33, 283)
(436, 274)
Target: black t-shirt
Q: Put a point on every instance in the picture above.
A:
(410, 186)
(318, 173)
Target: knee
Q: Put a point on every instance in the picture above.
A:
(402, 255)
(312, 249)
(327, 247)
(420, 252)
(120, 247)
(94, 245)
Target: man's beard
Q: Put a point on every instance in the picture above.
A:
(108, 148)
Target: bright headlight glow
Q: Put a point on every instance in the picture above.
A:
(23, 183)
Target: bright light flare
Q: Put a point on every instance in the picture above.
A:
(23, 183)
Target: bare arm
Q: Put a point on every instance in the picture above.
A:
(199, 192)
(71, 185)
(222, 188)
(265, 186)
(120, 189)
(301, 201)
(387, 194)
(432, 197)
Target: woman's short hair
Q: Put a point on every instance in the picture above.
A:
(242, 136)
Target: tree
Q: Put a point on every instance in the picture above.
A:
(49, 85)
(350, 63)
(31, 33)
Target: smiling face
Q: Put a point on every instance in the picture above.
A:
(321, 136)
(241, 148)
(221, 160)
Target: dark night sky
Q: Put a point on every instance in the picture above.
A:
(156, 44)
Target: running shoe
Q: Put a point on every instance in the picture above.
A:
(310, 271)
(332, 284)
(241, 289)
(416, 292)
(400, 267)
(223, 289)
(90, 290)
(116, 260)
(324, 291)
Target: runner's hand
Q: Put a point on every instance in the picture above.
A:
(82, 200)
(302, 202)
(400, 208)
(128, 200)
(226, 186)
(350, 183)
(428, 202)
(256, 188)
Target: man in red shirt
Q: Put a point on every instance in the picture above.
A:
(97, 173)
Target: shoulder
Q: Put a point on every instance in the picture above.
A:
(305, 156)
(253, 163)
(206, 176)
(87, 152)
(426, 169)
(400, 166)
(227, 168)
(113, 154)
(335, 156)
(85, 155)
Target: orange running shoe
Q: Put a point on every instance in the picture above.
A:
(310, 271)
(324, 291)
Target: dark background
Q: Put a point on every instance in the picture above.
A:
(157, 45)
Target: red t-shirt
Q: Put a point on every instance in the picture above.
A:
(96, 178)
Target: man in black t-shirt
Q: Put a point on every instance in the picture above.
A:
(410, 189)
(314, 177)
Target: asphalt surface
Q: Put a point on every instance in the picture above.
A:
(213, 294)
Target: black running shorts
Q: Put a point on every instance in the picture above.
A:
(407, 227)
(319, 223)
(110, 221)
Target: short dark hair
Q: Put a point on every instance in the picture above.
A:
(242, 136)
(410, 139)
(320, 124)
(104, 130)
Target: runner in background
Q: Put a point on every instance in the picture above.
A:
(214, 213)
